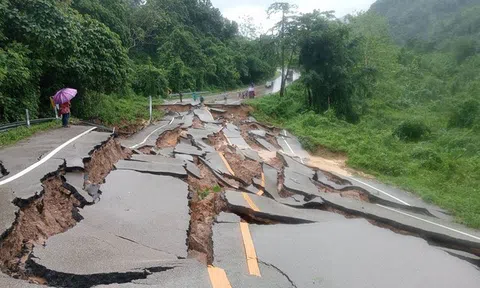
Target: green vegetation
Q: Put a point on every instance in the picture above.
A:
(417, 121)
(204, 193)
(114, 50)
(14, 135)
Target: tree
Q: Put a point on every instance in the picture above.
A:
(281, 28)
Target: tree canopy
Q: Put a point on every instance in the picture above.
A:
(119, 47)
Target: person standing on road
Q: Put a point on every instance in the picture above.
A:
(65, 112)
(181, 97)
(194, 96)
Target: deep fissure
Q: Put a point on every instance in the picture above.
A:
(52, 211)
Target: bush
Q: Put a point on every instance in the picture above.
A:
(411, 130)
(428, 158)
(465, 116)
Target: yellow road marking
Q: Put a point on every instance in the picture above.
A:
(250, 202)
(252, 262)
(218, 277)
(226, 164)
(260, 191)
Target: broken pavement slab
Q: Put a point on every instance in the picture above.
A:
(291, 146)
(76, 152)
(233, 135)
(273, 211)
(188, 149)
(265, 144)
(173, 169)
(31, 183)
(96, 251)
(148, 209)
(299, 183)
(258, 133)
(373, 196)
(250, 154)
(373, 257)
(230, 255)
(204, 115)
(430, 228)
(217, 163)
(296, 165)
(184, 273)
(193, 169)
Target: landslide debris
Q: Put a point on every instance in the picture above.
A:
(169, 138)
(245, 169)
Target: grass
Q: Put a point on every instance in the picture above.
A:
(204, 193)
(114, 110)
(443, 167)
(13, 136)
(110, 110)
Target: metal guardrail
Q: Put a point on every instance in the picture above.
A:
(6, 127)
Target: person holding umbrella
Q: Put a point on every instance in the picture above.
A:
(63, 98)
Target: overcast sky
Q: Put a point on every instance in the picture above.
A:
(235, 10)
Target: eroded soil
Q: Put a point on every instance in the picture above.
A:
(169, 138)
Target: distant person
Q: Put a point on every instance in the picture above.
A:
(181, 97)
(201, 99)
(194, 96)
(65, 112)
(251, 91)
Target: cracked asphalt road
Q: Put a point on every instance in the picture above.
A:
(295, 226)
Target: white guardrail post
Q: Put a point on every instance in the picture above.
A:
(28, 118)
(151, 109)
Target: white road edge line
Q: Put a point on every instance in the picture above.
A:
(430, 222)
(146, 138)
(44, 159)
(288, 145)
(383, 192)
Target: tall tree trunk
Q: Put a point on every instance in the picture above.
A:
(282, 86)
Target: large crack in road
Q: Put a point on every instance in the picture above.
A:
(229, 166)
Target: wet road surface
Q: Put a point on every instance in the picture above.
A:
(211, 198)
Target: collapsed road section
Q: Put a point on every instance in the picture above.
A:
(209, 197)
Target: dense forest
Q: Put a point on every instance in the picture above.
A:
(113, 50)
(397, 90)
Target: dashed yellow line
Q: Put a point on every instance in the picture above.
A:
(250, 202)
(250, 253)
(260, 191)
(218, 277)
(226, 163)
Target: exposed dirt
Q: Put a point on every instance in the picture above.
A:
(245, 169)
(197, 123)
(53, 211)
(389, 227)
(336, 179)
(126, 129)
(169, 138)
(202, 216)
(355, 194)
(207, 182)
(234, 114)
(173, 108)
(249, 140)
(218, 141)
(275, 163)
(103, 158)
(146, 149)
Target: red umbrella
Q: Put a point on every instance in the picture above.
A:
(64, 95)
